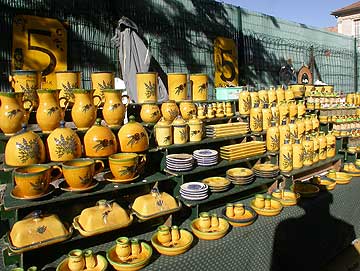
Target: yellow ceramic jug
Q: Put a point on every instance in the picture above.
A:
(187, 109)
(150, 112)
(289, 94)
(66, 81)
(180, 130)
(49, 113)
(244, 102)
(275, 113)
(286, 156)
(169, 110)
(114, 110)
(280, 94)
(195, 129)
(293, 129)
(272, 95)
(308, 124)
(316, 148)
(133, 137)
(256, 119)
(273, 138)
(146, 85)
(293, 109)
(76, 260)
(284, 132)
(301, 109)
(12, 112)
(298, 154)
(284, 111)
(177, 86)
(84, 111)
(263, 98)
(308, 144)
(322, 146)
(254, 95)
(199, 87)
(102, 80)
(163, 132)
(301, 128)
(315, 122)
(330, 145)
(267, 116)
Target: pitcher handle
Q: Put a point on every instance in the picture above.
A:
(99, 166)
(58, 172)
(127, 99)
(141, 163)
(100, 100)
(27, 112)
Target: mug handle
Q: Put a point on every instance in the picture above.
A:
(100, 100)
(99, 166)
(141, 163)
(58, 172)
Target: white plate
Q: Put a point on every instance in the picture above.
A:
(205, 153)
(193, 198)
(194, 186)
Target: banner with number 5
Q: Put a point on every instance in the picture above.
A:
(226, 62)
(39, 44)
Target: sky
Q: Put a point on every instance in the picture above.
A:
(310, 12)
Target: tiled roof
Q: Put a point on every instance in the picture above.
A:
(332, 29)
(350, 9)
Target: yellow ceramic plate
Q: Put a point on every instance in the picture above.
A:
(339, 177)
(216, 181)
(110, 178)
(275, 209)
(266, 167)
(101, 265)
(15, 193)
(288, 198)
(239, 172)
(65, 187)
(181, 246)
(246, 148)
(232, 124)
(83, 232)
(306, 190)
(230, 158)
(211, 234)
(243, 145)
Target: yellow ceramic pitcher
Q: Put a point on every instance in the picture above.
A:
(66, 81)
(102, 80)
(177, 86)
(114, 110)
(199, 87)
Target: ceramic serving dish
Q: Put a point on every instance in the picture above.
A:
(132, 264)
(306, 190)
(211, 235)
(181, 246)
(243, 155)
(351, 169)
(286, 197)
(101, 265)
(246, 219)
(239, 172)
(339, 177)
(275, 209)
(266, 167)
(216, 181)
(325, 184)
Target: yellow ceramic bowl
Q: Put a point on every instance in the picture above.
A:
(266, 167)
(288, 198)
(247, 219)
(239, 172)
(136, 264)
(102, 264)
(184, 243)
(216, 181)
(339, 177)
(220, 233)
(325, 184)
(276, 208)
(306, 190)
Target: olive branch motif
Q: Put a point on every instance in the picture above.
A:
(127, 170)
(29, 92)
(173, 113)
(182, 134)
(41, 229)
(102, 144)
(247, 104)
(202, 88)
(195, 132)
(11, 114)
(149, 89)
(67, 89)
(322, 151)
(257, 120)
(28, 150)
(66, 145)
(166, 139)
(86, 108)
(105, 85)
(154, 114)
(52, 110)
(275, 142)
(134, 139)
(113, 107)
(86, 179)
(308, 155)
(287, 162)
(180, 88)
(39, 185)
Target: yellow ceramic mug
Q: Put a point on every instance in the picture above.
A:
(101, 81)
(199, 87)
(66, 81)
(146, 85)
(125, 166)
(34, 180)
(177, 86)
(79, 173)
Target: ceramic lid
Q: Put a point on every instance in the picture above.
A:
(195, 121)
(163, 123)
(179, 121)
(147, 205)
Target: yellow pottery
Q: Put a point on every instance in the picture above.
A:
(163, 133)
(280, 94)
(284, 132)
(315, 122)
(99, 141)
(199, 87)
(102, 80)
(284, 111)
(273, 138)
(66, 81)
(201, 112)
(272, 95)
(301, 128)
(12, 112)
(350, 98)
(308, 90)
(146, 85)
(26, 82)
(289, 94)
(187, 109)
(275, 113)
(63, 144)
(195, 129)
(256, 118)
(244, 103)
(83, 112)
(169, 110)
(301, 109)
(263, 98)
(123, 247)
(133, 137)
(298, 154)
(293, 109)
(254, 95)
(163, 234)
(125, 166)
(308, 144)
(319, 89)
(267, 116)
(330, 145)
(90, 259)
(76, 260)
(316, 148)
(24, 149)
(328, 89)
(177, 85)
(175, 248)
(150, 112)
(298, 90)
(293, 130)
(308, 124)
(322, 146)
(114, 110)
(180, 130)
(49, 113)
(286, 156)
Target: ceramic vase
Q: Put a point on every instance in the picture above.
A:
(114, 109)
(177, 86)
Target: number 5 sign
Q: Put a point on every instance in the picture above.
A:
(39, 44)
(226, 63)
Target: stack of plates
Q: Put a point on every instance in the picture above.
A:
(217, 184)
(227, 129)
(194, 191)
(242, 150)
(206, 157)
(179, 162)
(240, 175)
(266, 170)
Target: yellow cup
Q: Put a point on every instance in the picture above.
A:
(79, 173)
(34, 180)
(101, 81)
(199, 87)
(66, 81)
(177, 86)
(146, 85)
(125, 166)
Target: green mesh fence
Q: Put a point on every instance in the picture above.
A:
(180, 35)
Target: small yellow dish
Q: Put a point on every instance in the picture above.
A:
(101, 265)
(246, 219)
(266, 167)
(325, 185)
(181, 246)
(216, 181)
(339, 177)
(239, 172)
(275, 209)
(287, 198)
(211, 235)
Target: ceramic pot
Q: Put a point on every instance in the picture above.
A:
(316, 148)
(199, 87)
(284, 132)
(102, 80)
(298, 90)
(204, 222)
(177, 86)
(49, 113)
(26, 82)
(308, 124)
(273, 138)
(123, 247)
(180, 130)
(315, 122)
(196, 129)
(12, 112)
(301, 109)
(272, 95)
(263, 98)
(254, 97)
(99, 141)
(350, 98)
(133, 137)
(150, 112)
(163, 234)
(298, 154)
(229, 110)
(322, 146)
(280, 94)
(220, 110)
(301, 128)
(34, 180)
(175, 233)
(239, 209)
(201, 112)
(244, 103)
(169, 110)
(24, 149)
(284, 112)
(330, 145)
(230, 210)
(275, 113)
(90, 259)
(126, 166)
(63, 144)
(293, 130)
(187, 109)
(114, 109)
(289, 94)
(259, 201)
(256, 119)
(308, 144)
(76, 260)
(163, 133)
(267, 116)
(210, 112)
(214, 221)
(286, 156)
(293, 109)
(135, 247)
(66, 81)
(83, 112)
(146, 85)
